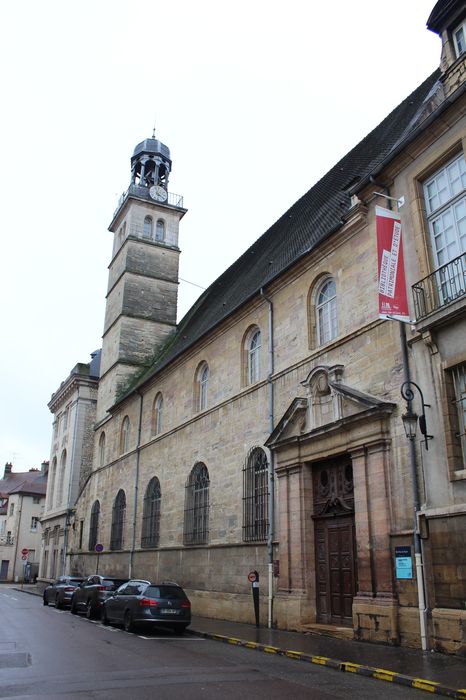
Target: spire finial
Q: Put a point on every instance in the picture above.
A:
(153, 131)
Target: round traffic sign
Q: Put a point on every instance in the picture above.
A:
(252, 576)
(99, 548)
(24, 557)
(24, 551)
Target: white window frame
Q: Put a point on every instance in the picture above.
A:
(326, 312)
(254, 351)
(460, 49)
(445, 196)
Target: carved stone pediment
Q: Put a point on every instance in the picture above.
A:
(328, 403)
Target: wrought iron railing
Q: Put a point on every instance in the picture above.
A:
(173, 200)
(442, 287)
(7, 540)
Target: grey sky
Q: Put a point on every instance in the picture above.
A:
(256, 101)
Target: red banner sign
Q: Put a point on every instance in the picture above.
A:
(393, 302)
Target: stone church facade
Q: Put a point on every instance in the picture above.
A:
(263, 432)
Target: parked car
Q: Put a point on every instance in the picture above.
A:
(60, 591)
(140, 602)
(90, 594)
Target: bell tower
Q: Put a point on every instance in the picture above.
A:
(143, 273)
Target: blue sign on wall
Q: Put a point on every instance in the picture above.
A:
(403, 562)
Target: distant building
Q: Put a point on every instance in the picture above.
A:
(22, 499)
(73, 406)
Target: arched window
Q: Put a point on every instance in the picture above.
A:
(118, 521)
(255, 496)
(157, 415)
(102, 449)
(94, 525)
(147, 231)
(160, 230)
(124, 436)
(61, 479)
(326, 312)
(151, 514)
(196, 511)
(202, 385)
(51, 483)
(254, 349)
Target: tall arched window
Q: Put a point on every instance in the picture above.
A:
(147, 230)
(255, 496)
(160, 230)
(102, 449)
(118, 521)
(157, 415)
(254, 349)
(124, 436)
(196, 511)
(94, 525)
(61, 479)
(202, 385)
(51, 483)
(151, 514)
(326, 312)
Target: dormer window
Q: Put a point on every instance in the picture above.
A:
(459, 39)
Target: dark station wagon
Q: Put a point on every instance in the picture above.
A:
(92, 592)
(140, 602)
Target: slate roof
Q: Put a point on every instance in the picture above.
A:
(32, 482)
(314, 217)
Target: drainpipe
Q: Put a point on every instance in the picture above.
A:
(136, 490)
(271, 471)
(416, 500)
(18, 531)
(416, 504)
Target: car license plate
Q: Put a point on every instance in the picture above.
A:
(169, 611)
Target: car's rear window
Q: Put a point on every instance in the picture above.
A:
(173, 592)
(74, 581)
(113, 584)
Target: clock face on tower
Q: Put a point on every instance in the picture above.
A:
(158, 193)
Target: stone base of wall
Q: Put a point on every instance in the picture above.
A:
(449, 631)
(292, 611)
(376, 620)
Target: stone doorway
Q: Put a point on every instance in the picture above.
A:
(334, 533)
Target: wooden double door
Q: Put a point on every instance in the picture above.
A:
(334, 529)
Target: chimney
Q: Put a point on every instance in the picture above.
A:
(44, 467)
(8, 468)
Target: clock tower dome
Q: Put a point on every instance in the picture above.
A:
(143, 273)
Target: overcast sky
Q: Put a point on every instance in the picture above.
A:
(256, 100)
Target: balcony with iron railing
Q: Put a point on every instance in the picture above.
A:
(7, 540)
(173, 200)
(441, 289)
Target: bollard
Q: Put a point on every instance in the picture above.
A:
(253, 577)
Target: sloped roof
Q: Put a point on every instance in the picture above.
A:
(314, 217)
(32, 482)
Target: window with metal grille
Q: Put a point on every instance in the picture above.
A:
(255, 496)
(118, 521)
(459, 383)
(94, 525)
(151, 514)
(196, 511)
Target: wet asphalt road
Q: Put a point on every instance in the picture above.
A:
(75, 659)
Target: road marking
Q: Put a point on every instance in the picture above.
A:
(175, 639)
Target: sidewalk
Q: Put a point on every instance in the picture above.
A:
(436, 673)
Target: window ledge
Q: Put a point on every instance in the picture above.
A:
(458, 475)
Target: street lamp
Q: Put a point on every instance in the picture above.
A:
(410, 418)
